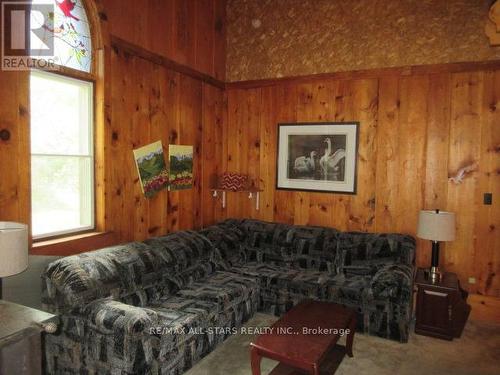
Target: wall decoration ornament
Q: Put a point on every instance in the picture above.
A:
(458, 178)
(151, 167)
(317, 157)
(492, 28)
(233, 181)
(181, 167)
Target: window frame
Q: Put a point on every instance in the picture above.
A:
(103, 231)
(80, 77)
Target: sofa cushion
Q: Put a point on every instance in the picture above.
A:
(374, 249)
(368, 267)
(281, 288)
(179, 312)
(181, 250)
(187, 330)
(266, 242)
(285, 283)
(227, 238)
(350, 291)
(226, 289)
(313, 248)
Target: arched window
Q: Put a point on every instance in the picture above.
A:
(62, 124)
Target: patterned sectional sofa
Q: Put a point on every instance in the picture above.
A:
(158, 306)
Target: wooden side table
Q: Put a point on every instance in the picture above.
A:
(20, 338)
(442, 310)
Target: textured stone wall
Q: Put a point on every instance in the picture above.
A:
(279, 38)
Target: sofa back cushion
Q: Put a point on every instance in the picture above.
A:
(227, 238)
(304, 247)
(313, 248)
(365, 252)
(182, 250)
(137, 272)
(266, 242)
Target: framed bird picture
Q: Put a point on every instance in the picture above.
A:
(318, 157)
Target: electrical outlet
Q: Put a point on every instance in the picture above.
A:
(472, 280)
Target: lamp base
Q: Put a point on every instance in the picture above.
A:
(435, 274)
(434, 271)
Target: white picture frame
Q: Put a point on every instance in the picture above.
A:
(320, 157)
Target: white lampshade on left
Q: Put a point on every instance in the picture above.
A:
(13, 248)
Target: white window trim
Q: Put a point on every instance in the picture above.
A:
(91, 156)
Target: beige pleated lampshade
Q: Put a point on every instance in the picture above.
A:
(13, 248)
(436, 226)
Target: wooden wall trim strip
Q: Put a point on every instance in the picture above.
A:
(138, 51)
(370, 74)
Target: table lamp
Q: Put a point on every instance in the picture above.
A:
(13, 249)
(436, 226)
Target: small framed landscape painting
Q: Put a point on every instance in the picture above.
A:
(318, 157)
(153, 173)
(181, 167)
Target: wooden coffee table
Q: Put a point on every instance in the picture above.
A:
(305, 339)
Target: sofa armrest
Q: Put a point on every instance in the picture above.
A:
(394, 282)
(113, 317)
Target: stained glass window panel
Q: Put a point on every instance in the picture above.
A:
(69, 27)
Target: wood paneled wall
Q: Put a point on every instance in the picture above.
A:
(151, 103)
(190, 32)
(138, 100)
(15, 201)
(417, 129)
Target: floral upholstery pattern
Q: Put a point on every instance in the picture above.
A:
(159, 306)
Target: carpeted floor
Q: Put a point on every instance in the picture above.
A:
(477, 352)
